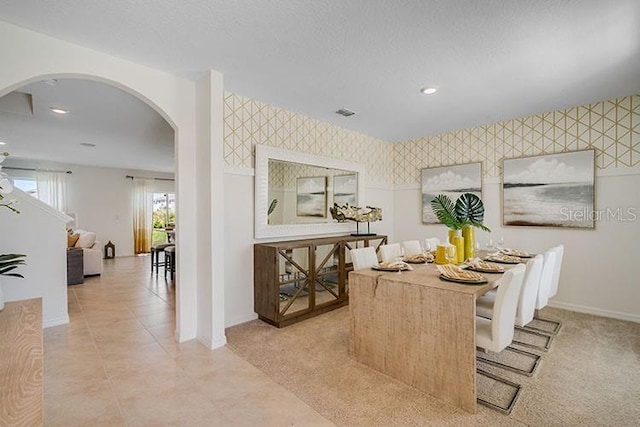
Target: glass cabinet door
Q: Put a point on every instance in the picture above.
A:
(294, 280)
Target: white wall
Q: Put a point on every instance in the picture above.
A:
(38, 232)
(598, 275)
(100, 197)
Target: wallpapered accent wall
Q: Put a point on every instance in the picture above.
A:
(611, 127)
(248, 122)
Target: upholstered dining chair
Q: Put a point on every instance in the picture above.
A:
(556, 271)
(524, 313)
(548, 267)
(550, 290)
(364, 257)
(412, 247)
(527, 299)
(496, 334)
(390, 252)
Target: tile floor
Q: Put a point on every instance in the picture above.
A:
(116, 364)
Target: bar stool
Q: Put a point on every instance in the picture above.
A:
(170, 257)
(155, 256)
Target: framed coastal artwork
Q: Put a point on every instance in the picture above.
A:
(450, 180)
(552, 190)
(345, 188)
(311, 196)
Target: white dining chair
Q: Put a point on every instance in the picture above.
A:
(548, 266)
(551, 279)
(431, 243)
(390, 252)
(524, 314)
(528, 295)
(412, 247)
(363, 257)
(496, 334)
(556, 271)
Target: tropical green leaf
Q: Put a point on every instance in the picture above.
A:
(9, 262)
(444, 209)
(469, 209)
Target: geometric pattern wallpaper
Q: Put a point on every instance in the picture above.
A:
(612, 128)
(248, 122)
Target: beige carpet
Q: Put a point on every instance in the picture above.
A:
(591, 376)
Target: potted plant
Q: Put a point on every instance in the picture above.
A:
(8, 262)
(465, 214)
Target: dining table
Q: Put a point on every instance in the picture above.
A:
(418, 328)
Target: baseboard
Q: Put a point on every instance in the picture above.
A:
(56, 321)
(240, 319)
(216, 343)
(596, 311)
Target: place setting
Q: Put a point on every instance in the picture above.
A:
(422, 258)
(454, 273)
(508, 256)
(396, 266)
(479, 265)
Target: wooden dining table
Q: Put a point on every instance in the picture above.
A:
(419, 329)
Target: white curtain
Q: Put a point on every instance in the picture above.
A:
(52, 189)
(142, 212)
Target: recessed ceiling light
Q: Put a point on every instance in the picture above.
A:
(87, 144)
(58, 110)
(429, 90)
(3, 143)
(50, 82)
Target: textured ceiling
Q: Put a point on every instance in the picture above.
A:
(126, 132)
(491, 60)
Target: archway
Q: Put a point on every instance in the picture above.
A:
(28, 56)
(184, 329)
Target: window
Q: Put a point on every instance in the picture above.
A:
(28, 185)
(164, 215)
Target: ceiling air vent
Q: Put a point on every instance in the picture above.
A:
(345, 112)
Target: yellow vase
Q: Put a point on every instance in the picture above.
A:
(456, 239)
(469, 234)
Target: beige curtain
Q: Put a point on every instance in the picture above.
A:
(142, 221)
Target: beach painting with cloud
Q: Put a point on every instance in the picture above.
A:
(345, 189)
(554, 190)
(450, 180)
(311, 195)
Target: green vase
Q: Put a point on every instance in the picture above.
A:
(469, 234)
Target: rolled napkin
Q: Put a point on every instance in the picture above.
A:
(454, 272)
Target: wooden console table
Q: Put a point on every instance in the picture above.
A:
(418, 329)
(21, 391)
(298, 279)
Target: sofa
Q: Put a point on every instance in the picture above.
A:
(91, 248)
